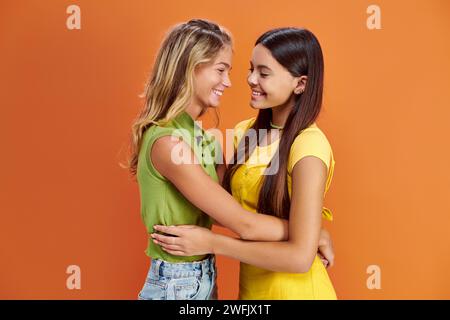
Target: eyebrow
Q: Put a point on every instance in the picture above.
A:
(261, 66)
(225, 64)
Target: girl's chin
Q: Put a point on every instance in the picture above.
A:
(214, 101)
(214, 104)
(257, 105)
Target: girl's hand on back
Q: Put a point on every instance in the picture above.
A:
(184, 240)
(191, 240)
(326, 250)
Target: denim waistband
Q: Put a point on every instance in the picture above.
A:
(182, 269)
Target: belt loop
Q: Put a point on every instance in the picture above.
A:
(208, 264)
(203, 267)
(156, 267)
(161, 268)
(213, 263)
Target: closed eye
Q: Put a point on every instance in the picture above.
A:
(263, 75)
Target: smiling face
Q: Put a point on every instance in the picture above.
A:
(271, 84)
(211, 79)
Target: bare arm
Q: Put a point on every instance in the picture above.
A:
(294, 255)
(220, 169)
(207, 195)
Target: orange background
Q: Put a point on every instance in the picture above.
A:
(68, 98)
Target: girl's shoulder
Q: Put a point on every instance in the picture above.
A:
(311, 141)
(312, 134)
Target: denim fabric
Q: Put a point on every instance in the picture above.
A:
(180, 281)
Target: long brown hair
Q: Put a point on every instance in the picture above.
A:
(171, 85)
(299, 51)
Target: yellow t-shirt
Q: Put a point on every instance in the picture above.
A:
(257, 283)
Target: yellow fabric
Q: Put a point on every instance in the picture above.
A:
(257, 283)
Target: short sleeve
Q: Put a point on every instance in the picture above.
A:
(310, 142)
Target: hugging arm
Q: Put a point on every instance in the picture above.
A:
(207, 195)
(294, 255)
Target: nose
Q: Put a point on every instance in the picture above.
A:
(251, 79)
(226, 81)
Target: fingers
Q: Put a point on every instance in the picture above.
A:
(173, 230)
(168, 246)
(328, 254)
(175, 252)
(165, 239)
(164, 243)
(187, 226)
(331, 263)
(325, 262)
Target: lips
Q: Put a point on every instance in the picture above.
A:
(258, 94)
(218, 92)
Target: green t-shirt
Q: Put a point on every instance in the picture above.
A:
(161, 202)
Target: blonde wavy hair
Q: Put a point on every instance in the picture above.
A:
(171, 85)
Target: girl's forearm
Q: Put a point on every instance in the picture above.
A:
(282, 256)
(264, 227)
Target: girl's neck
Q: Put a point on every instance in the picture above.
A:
(194, 110)
(281, 113)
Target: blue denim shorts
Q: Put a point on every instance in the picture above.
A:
(181, 281)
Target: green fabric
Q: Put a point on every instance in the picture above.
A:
(161, 202)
